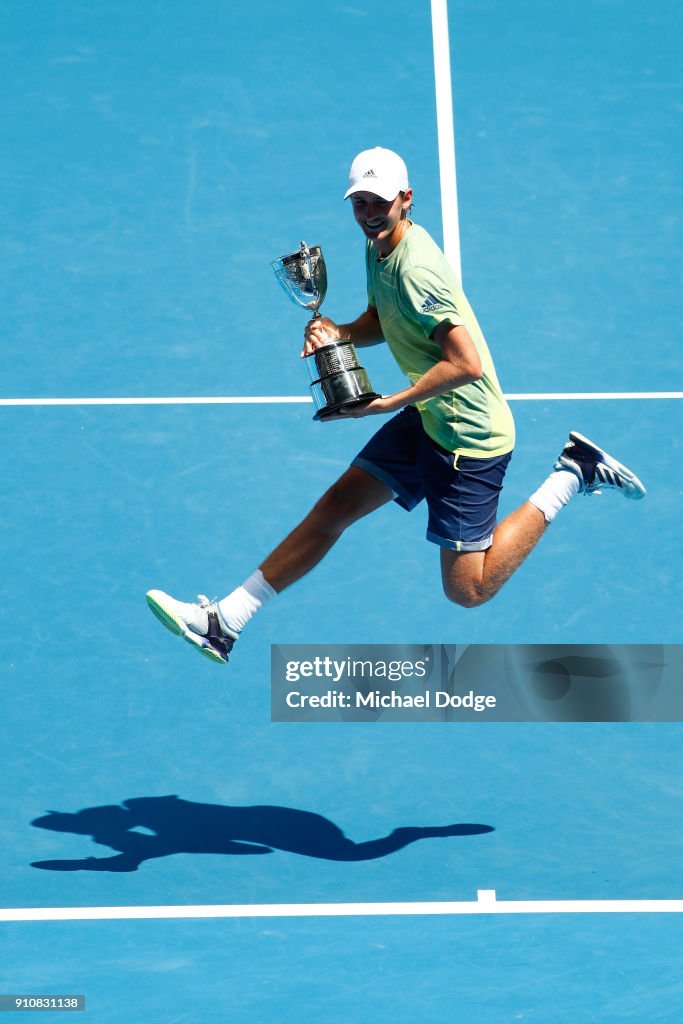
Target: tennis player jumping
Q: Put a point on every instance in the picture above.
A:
(448, 442)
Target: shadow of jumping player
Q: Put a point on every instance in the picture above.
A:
(174, 825)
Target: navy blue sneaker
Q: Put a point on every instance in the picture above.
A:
(596, 470)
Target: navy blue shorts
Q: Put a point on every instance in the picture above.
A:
(462, 495)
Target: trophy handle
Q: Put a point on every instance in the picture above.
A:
(306, 253)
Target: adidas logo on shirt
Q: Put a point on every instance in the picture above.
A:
(431, 304)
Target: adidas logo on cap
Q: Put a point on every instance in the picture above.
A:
(370, 174)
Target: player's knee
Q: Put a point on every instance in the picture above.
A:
(466, 596)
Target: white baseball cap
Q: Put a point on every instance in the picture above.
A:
(380, 171)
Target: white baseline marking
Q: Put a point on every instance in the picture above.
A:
(446, 135)
(485, 903)
(554, 396)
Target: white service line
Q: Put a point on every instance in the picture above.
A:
(555, 396)
(600, 396)
(180, 400)
(446, 135)
(486, 903)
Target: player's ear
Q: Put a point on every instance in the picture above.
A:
(407, 199)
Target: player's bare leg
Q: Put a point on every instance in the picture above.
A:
(471, 578)
(352, 497)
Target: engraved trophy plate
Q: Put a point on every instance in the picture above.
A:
(338, 381)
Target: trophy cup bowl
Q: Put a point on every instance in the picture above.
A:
(338, 381)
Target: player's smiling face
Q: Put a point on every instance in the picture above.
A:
(381, 221)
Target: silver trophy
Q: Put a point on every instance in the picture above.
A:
(338, 381)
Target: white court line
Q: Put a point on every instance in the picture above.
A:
(486, 903)
(553, 396)
(172, 400)
(446, 135)
(601, 396)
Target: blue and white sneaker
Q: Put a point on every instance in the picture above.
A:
(596, 470)
(200, 624)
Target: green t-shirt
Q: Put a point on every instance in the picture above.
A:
(414, 289)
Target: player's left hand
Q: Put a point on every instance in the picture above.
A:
(373, 408)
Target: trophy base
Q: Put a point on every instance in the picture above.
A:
(333, 411)
(341, 390)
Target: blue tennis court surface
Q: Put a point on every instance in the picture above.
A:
(156, 158)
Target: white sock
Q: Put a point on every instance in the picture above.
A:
(238, 607)
(554, 494)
